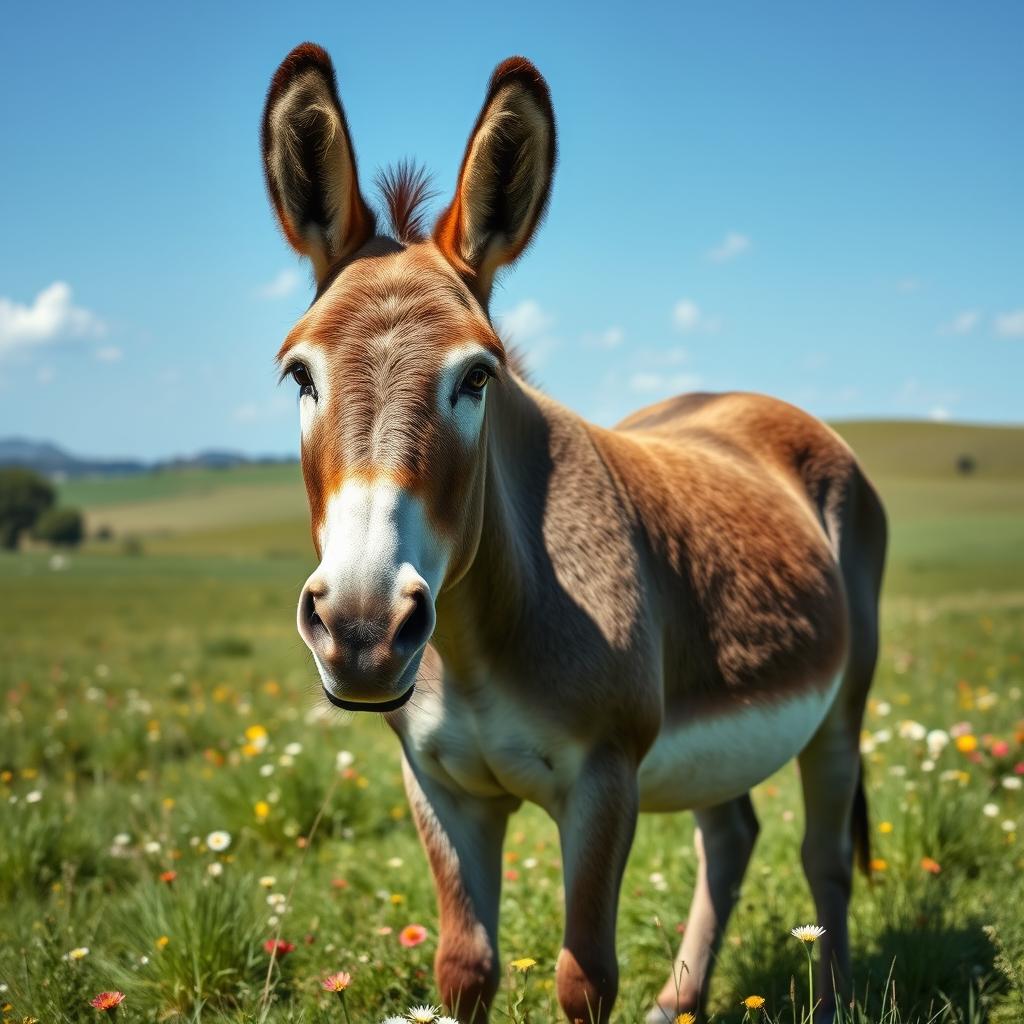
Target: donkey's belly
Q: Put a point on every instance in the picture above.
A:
(708, 760)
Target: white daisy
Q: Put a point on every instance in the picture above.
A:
(218, 841)
(34, 797)
(268, 881)
(395, 1020)
(424, 1014)
(344, 760)
(1012, 782)
(808, 932)
(293, 749)
(216, 869)
(78, 953)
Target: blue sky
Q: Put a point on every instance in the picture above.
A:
(819, 201)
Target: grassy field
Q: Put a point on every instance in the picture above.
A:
(155, 694)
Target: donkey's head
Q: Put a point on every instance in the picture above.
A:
(393, 361)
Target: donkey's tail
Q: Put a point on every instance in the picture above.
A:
(859, 827)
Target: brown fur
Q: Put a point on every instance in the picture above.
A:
(713, 554)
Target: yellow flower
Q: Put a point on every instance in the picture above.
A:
(262, 810)
(885, 827)
(161, 943)
(686, 1018)
(523, 964)
(753, 1002)
(879, 864)
(255, 733)
(168, 803)
(396, 898)
(966, 744)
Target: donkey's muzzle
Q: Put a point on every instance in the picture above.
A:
(367, 652)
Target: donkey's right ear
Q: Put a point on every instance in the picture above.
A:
(309, 162)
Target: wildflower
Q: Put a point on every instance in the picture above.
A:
(256, 736)
(446, 1020)
(337, 982)
(215, 870)
(107, 1001)
(999, 749)
(162, 942)
(412, 935)
(911, 730)
(808, 932)
(34, 797)
(753, 1002)
(168, 876)
(278, 947)
(266, 770)
(267, 881)
(262, 809)
(424, 1014)
(885, 827)
(990, 810)
(879, 864)
(395, 862)
(936, 741)
(931, 866)
(523, 964)
(686, 1018)
(218, 841)
(1012, 782)
(78, 953)
(293, 749)
(1009, 825)
(395, 1020)
(967, 743)
(344, 760)
(122, 839)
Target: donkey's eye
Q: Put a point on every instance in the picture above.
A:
(301, 377)
(475, 381)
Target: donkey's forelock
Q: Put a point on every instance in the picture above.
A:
(406, 190)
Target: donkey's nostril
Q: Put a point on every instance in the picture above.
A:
(412, 633)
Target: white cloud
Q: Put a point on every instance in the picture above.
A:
(610, 338)
(525, 321)
(51, 316)
(1010, 325)
(527, 326)
(962, 323)
(281, 286)
(734, 244)
(689, 317)
(939, 414)
(108, 354)
(257, 412)
(649, 382)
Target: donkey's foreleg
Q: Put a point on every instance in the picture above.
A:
(596, 828)
(724, 840)
(463, 837)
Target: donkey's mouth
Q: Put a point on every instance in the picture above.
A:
(368, 705)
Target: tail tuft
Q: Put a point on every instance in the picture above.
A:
(859, 826)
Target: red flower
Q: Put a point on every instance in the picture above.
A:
(278, 947)
(107, 1001)
(412, 935)
(168, 876)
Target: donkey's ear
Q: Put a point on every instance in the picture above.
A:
(505, 179)
(309, 161)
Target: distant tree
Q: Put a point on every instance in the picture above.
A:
(104, 532)
(63, 527)
(24, 497)
(965, 465)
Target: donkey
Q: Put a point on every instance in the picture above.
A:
(650, 618)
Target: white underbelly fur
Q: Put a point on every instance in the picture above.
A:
(500, 750)
(710, 760)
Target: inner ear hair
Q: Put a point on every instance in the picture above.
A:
(505, 180)
(309, 161)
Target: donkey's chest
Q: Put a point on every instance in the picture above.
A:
(493, 747)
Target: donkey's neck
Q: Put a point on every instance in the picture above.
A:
(531, 580)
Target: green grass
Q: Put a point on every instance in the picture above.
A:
(129, 683)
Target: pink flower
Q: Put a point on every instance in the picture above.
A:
(412, 935)
(1000, 748)
(337, 982)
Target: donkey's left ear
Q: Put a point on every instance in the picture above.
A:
(309, 161)
(505, 179)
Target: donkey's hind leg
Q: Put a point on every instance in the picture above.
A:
(724, 840)
(836, 819)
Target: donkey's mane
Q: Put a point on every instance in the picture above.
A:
(405, 189)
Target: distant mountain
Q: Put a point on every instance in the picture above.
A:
(54, 461)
